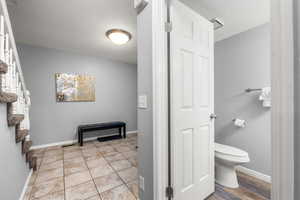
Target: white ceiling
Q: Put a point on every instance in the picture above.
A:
(80, 25)
(237, 15)
(75, 25)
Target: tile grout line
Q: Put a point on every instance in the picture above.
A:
(60, 148)
(85, 162)
(88, 169)
(103, 156)
(37, 173)
(116, 172)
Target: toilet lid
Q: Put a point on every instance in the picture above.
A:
(225, 149)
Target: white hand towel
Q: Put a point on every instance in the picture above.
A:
(240, 123)
(265, 96)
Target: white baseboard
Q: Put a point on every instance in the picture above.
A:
(255, 174)
(26, 185)
(69, 142)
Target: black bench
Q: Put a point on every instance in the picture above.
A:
(101, 126)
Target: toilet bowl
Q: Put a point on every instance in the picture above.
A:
(227, 158)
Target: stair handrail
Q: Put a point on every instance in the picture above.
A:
(8, 27)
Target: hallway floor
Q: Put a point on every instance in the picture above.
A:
(96, 171)
(108, 171)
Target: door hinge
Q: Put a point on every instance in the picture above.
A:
(168, 26)
(169, 192)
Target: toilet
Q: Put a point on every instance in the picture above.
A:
(226, 159)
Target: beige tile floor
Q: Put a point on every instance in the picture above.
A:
(96, 171)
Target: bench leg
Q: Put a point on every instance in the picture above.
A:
(80, 138)
(124, 131)
(78, 133)
(120, 132)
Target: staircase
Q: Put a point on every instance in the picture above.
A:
(13, 90)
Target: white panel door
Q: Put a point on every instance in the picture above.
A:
(192, 102)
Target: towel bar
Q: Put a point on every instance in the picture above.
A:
(252, 90)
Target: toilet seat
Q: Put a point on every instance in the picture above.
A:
(231, 153)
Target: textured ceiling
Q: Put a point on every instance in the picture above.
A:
(237, 15)
(75, 25)
(80, 26)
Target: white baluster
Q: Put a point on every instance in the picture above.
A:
(2, 38)
(28, 104)
(2, 50)
(7, 75)
(16, 104)
(22, 109)
(17, 81)
(27, 118)
(6, 48)
(13, 77)
(19, 98)
(21, 103)
(9, 71)
(4, 76)
(6, 60)
(22, 124)
(10, 67)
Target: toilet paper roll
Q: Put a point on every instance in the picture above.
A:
(239, 123)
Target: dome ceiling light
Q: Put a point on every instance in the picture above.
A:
(118, 36)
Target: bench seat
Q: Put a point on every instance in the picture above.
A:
(101, 126)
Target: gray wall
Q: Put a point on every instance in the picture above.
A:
(145, 123)
(297, 99)
(116, 92)
(243, 61)
(13, 168)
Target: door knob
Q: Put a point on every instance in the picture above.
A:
(213, 116)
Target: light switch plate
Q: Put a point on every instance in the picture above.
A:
(142, 101)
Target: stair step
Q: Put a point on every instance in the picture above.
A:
(20, 134)
(33, 163)
(14, 119)
(26, 146)
(3, 67)
(29, 156)
(6, 97)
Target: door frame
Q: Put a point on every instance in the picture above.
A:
(282, 112)
(160, 98)
(282, 82)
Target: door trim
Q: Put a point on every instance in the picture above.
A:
(282, 82)
(160, 99)
(282, 70)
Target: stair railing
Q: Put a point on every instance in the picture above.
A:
(12, 86)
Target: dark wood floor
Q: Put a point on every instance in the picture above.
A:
(250, 189)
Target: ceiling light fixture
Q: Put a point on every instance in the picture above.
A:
(118, 36)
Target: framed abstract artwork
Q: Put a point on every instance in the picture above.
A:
(74, 87)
